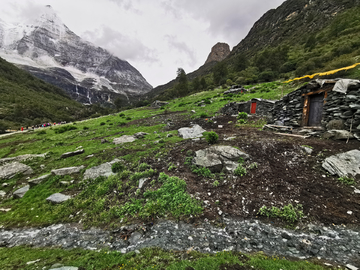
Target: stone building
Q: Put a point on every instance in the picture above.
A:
(255, 106)
(330, 104)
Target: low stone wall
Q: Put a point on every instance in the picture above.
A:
(263, 107)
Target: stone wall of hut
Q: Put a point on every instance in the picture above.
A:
(263, 107)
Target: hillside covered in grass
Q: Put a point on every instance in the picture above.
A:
(26, 100)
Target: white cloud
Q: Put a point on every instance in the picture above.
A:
(156, 36)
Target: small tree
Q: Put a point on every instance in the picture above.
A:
(220, 72)
(3, 127)
(182, 87)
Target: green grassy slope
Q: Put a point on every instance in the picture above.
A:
(26, 100)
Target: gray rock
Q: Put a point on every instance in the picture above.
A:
(58, 198)
(190, 133)
(21, 158)
(140, 135)
(351, 267)
(217, 157)
(67, 171)
(307, 150)
(2, 194)
(344, 164)
(142, 182)
(70, 154)
(338, 134)
(104, 141)
(8, 171)
(18, 194)
(65, 268)
(158, 104)
(101, 170)
(36, 181)
(355, 106)
(124, 139)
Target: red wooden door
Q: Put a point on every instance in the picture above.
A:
(253, 108)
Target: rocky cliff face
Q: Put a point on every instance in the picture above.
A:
(218, 53)
(52, 52)
(293, 21)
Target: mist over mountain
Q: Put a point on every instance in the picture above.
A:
(48, 49)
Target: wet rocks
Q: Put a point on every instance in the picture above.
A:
(190, 133)
(334, 243)
(67, 171)
(344, 164)
(124, 139)
(71, 154)
(101, 170)
(8, 171)
(36, 181)
(217, 157)
(18, 194)
(58, 198)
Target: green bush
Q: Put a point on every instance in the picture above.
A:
(85, 128)
(122, 115)
(117, 167)
(128, 118)
(240, 170)
(102, 124)
(288, 212)
(203, 115)
(41, 132)
(64, 129)
(242, 115)
(211, 137)
(201, 171)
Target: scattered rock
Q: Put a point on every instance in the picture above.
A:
(142, 182)
(32, 262)
(344, 164)
(101, 170)
(5, 210)
(58, 198)
(21, 158)
(2, 194)
(307, 149)
(338, 135)
(64, 183)
(8, 171)
(169, 135)
(18, 194)
(36, 181)
(124, 139)
(5, 185)
(351, 267)
(235, 90)
(67, 171)
(104, 141)
(140, 135)
(217, 157)
(70, 154)
(190, 133)
(65, 268)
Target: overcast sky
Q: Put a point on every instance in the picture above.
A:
(155, 36)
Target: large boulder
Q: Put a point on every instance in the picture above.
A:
(8, 171)
(36, 181)
(67, 171)
(191, 133)
(58, 198)
(344, 164)
(101, 170)
(21, 192)
(218, 157)
(124, 139)
(21, 158)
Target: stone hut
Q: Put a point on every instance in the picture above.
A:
(330, 104)
(256, 106)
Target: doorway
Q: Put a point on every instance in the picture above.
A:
(315, 109)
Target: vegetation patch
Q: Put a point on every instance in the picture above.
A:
(289, 212)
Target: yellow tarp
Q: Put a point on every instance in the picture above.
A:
(324, 73)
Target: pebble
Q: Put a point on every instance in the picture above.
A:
(333, 243)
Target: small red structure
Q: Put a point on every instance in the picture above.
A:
(22, 128)
(253, 108)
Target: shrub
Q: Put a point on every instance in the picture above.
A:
(41, 132)
(128, 118)
(201, 171)
(288, 212)
(203, 115)
(242, 115)
(143, 167)
(64, 129)
(211, 137)
(117, 167)
(102, 124)
(240, 170)
(85, 128)
(122, 115)
(347, 180)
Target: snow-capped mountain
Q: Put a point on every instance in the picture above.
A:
(49, 50)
